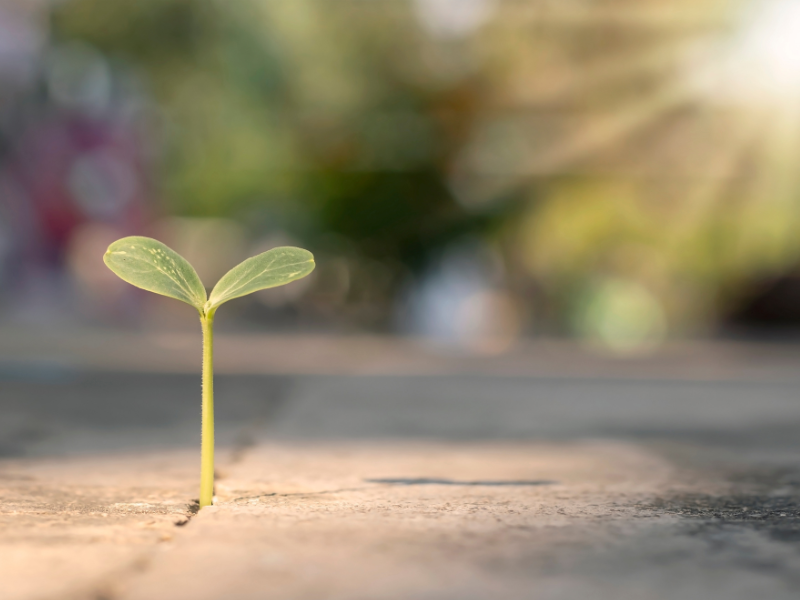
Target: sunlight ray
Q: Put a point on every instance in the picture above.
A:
(606, 130)
(720, 169)
(665, 17)
(778, 175)
(564, 84)
(770, 209)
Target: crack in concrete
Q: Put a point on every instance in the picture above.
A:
(111, 587)
(445, 481)
(191, 510)
(298, 494)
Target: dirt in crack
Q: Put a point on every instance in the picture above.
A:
(191, 510)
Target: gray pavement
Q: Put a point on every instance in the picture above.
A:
(422, 476)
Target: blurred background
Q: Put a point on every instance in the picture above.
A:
(533, 220)
(475, 172)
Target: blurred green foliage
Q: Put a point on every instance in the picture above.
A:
(569, 141)
(285, 112)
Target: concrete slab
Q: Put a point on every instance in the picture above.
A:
(401, 520)
(71, 528)
(429, 485)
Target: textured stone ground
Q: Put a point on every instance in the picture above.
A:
(639, 485)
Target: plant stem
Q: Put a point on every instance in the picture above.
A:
(207, 443)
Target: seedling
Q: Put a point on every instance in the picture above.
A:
(151, 265)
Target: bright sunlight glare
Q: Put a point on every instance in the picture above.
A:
(765, 61)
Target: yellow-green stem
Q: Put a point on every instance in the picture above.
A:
(207, 443)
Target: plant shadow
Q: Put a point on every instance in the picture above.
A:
(444, 481)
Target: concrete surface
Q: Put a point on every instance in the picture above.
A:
(637, 483)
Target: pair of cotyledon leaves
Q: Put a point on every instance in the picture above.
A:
(153, 266)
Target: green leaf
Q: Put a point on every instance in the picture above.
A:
(275, 267)
(150, 265)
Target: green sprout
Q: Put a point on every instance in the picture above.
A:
(151, 265)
